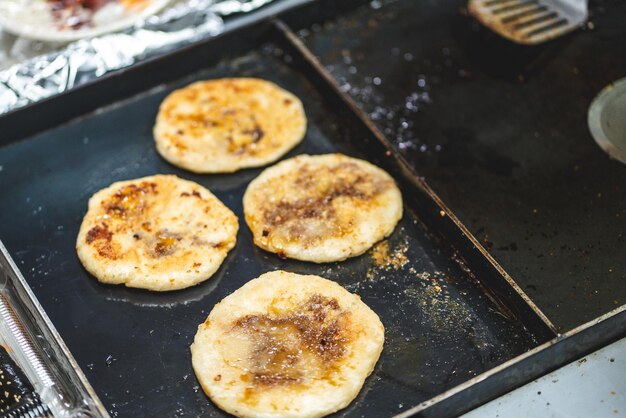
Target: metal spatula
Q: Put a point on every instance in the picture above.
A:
(530, 21)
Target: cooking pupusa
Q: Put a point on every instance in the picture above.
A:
(224, 125)
(157, 233)
(321, 208)
(286, 345)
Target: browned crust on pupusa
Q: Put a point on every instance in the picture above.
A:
(286, 345)
(159, 233)
(321, 208)
(317, 327)
(223, 125)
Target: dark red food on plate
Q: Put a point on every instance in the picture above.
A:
(75, 14)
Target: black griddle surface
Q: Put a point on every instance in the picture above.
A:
(500, 133)
(133, 345)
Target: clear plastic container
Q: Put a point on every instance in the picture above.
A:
(38, 350)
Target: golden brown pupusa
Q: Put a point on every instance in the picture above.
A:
(221, 126)
(321, 208)
(286, 345)
(158, 233)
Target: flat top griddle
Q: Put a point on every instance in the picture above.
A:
(449, 313)
(500, 133)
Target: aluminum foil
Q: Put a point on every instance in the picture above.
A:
(82, 61)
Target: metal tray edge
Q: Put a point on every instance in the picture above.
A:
(518, 371)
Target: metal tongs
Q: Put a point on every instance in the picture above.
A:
(530, 22)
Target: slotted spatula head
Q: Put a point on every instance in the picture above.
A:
(530, 21)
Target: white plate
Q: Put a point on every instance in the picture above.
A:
(33, 19)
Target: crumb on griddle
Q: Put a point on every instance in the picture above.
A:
(389, 260)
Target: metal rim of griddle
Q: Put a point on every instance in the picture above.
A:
(523, 369)
(602, 103)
